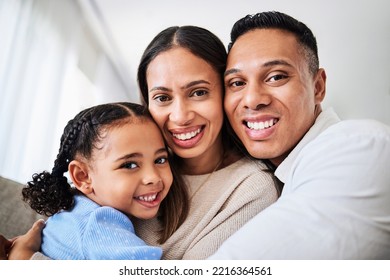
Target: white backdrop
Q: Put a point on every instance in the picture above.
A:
(353, 38)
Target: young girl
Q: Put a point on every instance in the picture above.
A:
(118, 163)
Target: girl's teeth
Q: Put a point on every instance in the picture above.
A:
(148, 197)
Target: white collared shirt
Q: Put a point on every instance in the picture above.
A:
(336, 198)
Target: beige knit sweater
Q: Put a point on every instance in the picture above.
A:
(225, 201)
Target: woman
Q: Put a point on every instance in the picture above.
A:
(181, 80)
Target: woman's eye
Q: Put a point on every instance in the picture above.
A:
(162, 98)
(129, 165)
(161, 160)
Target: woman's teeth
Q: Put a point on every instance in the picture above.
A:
(186, 136)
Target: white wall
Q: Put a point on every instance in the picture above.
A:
(353, 38)
(51, 67)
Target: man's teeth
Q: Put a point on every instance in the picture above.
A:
(186, 136)
(147, 197)
(261, 125)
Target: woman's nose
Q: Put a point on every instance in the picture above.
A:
(182, 113)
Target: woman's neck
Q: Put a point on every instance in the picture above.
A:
(215, 158)
(206, 162)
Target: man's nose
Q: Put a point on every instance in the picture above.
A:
(256, 96)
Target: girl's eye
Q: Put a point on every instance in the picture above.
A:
(199, 93)
(161, 160)
(129, 165)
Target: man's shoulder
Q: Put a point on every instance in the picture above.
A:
(358, 127)
(364, 137)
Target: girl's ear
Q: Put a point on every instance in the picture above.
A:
(79, 173)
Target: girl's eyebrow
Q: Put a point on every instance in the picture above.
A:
(127, 156)
(161, 151)
(139, 155)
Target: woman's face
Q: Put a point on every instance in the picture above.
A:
(185, 99)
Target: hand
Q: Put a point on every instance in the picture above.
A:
(5, 246)
(24, 246)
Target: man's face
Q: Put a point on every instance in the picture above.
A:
(271, 98)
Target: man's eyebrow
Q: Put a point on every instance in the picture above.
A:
(276, 62)
(266, 64)
(231, 71)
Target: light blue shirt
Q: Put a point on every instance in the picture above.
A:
(336, 198)
(92, 232)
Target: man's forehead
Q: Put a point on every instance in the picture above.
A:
(267, 43)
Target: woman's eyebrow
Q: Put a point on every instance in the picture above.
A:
(158, 88)
(194, 83)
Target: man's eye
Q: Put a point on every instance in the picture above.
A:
(277, 77)
(237, 83)
(161, 160)
(129, 165)
(199, 93)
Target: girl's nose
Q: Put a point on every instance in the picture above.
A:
(151, 176)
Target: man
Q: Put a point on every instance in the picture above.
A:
(335, 202)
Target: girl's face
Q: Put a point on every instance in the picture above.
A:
(185, 99)
(130, 169)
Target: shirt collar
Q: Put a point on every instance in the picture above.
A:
(324, 120)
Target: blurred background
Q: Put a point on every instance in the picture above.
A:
(58, 57)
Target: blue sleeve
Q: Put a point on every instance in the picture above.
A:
(109, 235)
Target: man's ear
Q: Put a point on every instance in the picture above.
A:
(79, 173)
(320, 86)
